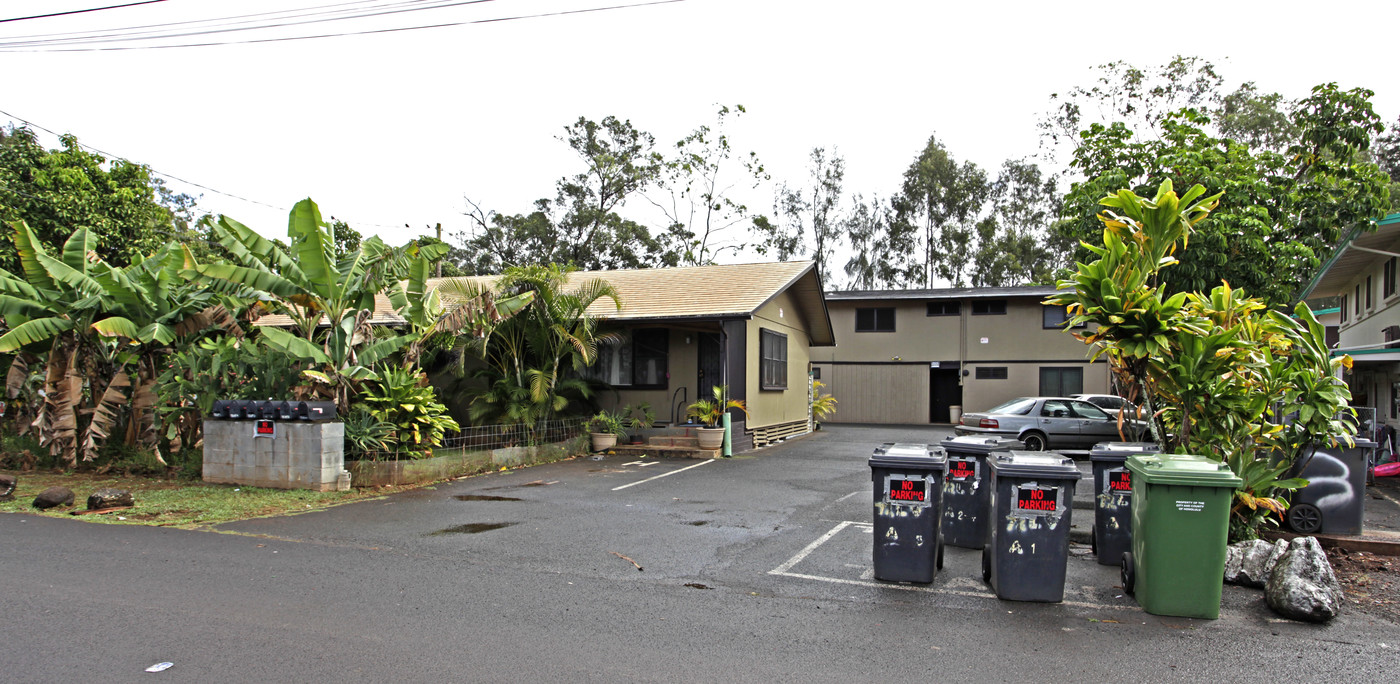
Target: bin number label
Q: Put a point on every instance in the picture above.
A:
(1120, 481)
(962, 469)
(912, 490)
(1038, 499)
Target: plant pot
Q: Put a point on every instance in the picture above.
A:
(710, 437)
(603, 440)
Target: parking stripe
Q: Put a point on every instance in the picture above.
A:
(658, 477)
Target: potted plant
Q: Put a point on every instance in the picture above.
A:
(709, 412)
(604, 429)
(639, 417)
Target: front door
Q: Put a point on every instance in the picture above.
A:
(711, 365)
(943, 392)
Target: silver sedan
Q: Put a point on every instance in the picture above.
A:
(1045, 423)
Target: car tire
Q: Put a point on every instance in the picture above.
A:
(1034, 441)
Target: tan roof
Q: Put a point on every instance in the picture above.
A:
(687, 292)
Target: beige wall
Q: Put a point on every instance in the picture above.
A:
(1022, 380)
(682, 366)
(1384, 312)
(1020, 334)
(917, 336)
(767, 407)
(883, 393)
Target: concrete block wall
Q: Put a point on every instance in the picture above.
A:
(300, 455)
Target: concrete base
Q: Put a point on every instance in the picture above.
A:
(300, 455)
(460, 463)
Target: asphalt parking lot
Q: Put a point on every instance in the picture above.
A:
(638, 569)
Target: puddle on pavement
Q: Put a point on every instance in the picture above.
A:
(698, 523)
(484, 497)
(470, 528)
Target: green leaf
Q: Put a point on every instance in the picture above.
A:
(117, 326)
(37, 330)
(298, 347)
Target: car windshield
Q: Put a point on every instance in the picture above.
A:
(1018, 407)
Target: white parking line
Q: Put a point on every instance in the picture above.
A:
(658, 477)
(858, 491)
(784, 571)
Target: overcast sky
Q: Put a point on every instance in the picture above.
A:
(395, 128)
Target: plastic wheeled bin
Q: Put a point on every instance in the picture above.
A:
(908, 544)
(1334, 500)
(1180, 527)
(1027, 547)
(1113, 491)
(965, 493)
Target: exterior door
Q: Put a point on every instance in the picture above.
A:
(710, 364)
(943, 392)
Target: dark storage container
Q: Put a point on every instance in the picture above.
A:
(1027, 549)
(908, 545)
(285, 411)
(1334, 500)
(315, 410)
(220, 410)
(1113, 492)
(965, 493)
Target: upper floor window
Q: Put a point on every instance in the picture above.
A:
(1055, 317)
(1388, 278)
(1357, 303)
(875, 319)
(944, 308)
(1369, 289)
(988, 307)
(773, 362)
(1343, 309)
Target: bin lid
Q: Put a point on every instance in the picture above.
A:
(1183, 469)
(1035, 464)
(973, 444)
(909, 456)
(1119, 451)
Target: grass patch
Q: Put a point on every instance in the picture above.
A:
(174, 503)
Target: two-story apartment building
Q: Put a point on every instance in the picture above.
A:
(910, 356)
(1363, 274)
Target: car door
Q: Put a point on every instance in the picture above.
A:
(1059, 424)
(1095, 424)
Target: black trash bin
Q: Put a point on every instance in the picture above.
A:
(1334, 500)
(1113, 492)
(908, 545)
(1028, 542)
(965, 493)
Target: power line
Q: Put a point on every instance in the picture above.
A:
(216, 25)
(8, 48)
(173, 177)
(81, 11)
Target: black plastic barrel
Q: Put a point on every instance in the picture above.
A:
(1028, 543)
(908, 545)
(965, 492)
(1113, 498)
(1334, 500)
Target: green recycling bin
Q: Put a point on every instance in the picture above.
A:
(1180, 526)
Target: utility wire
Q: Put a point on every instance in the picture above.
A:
(162, 174)
(217, 25)
(9, 48)
(81, 11)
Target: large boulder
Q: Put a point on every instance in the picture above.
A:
(1251, 563)
(7, 487)
(1302, 585)
(110, 498)
(54, 496)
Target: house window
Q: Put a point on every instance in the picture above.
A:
(1388, 278)
(988, 307)
(875, 320)
(1055, 317)
(1369, 289)
(1344, 309)
(1357, 303)
(1061, 382)
(816, 372)
(773, 363)
(944, 308)
(991, 372)
(649, 351)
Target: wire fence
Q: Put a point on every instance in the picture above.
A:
(487, 437)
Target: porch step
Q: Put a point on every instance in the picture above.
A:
(656, 450)
(673, 440)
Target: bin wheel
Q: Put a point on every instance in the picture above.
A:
(1129, 573)
(1033, 441)
(986, 563)
(1304, 518)
(1094, 541)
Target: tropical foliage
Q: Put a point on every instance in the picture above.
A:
(1220, 374)
(711, 411)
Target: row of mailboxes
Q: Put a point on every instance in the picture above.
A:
(249, 409)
